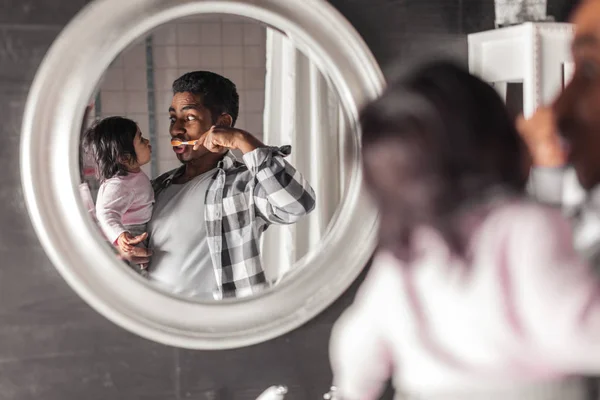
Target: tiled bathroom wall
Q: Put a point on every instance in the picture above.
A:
(231, 46)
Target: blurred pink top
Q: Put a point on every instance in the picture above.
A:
(526, 309)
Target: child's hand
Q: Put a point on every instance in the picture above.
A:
(127, 242)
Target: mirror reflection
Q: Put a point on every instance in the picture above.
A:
(211, 157)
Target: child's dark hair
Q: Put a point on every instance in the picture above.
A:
(437, 141)
(110, 142)
(218, 93)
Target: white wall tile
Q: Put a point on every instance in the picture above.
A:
(143, 123)
(113, 79)
(118, 61)
(163, 136)
(165, 150)
(241, 121)
(254, 57)
(254, 101)
(236, 75)
(136, 102)
(113, 103)
(254, 34)
(210, 33)
(165, 35)
(164, 78)
(254, 124)
(162, 124)
(254, 78)
(164, 56)
(135, 57)
(163, 102)
(233, 56)
(188, 33)
(188, 56)
(211, 57)
(233, 34)
(136, 79)
(242, 94)
(185, 70)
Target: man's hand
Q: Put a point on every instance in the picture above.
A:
(541, 138)
(219, 138)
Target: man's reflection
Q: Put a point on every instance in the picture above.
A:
(210, 213)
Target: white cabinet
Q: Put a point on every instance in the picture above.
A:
(536, 54)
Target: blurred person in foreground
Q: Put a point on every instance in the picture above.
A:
(564, 138)
(476, 291)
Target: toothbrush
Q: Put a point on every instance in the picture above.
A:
(178, 142)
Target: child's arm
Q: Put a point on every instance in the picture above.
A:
(113, 201)
(359, 356)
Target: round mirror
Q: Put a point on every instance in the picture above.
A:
(198, 180)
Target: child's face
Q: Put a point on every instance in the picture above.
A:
(142, 147)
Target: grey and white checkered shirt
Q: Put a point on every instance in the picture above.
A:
(242, 200)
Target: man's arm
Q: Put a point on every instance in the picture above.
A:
(540, 135)
(282, 195)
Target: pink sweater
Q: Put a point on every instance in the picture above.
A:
(526, 309)
(124, 200)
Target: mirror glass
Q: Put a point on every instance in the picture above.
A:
(235, 214)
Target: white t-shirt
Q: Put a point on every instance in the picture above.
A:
(181, 261)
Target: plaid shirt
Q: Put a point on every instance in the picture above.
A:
(242, 200)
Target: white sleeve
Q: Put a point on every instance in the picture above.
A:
(359, 357)
(113, 201)
(546, 185)
(556, 294)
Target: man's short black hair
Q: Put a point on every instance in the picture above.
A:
(217, 93)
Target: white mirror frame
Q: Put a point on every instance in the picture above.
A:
(50, 175)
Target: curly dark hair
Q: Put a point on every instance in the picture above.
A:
(217, 93)
(110, 141)
(438, 141)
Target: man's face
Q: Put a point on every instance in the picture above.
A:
(577, 109)
(189, 121)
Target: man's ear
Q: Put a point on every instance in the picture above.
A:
(225, 120)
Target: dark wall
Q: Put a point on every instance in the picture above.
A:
(53, 346)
